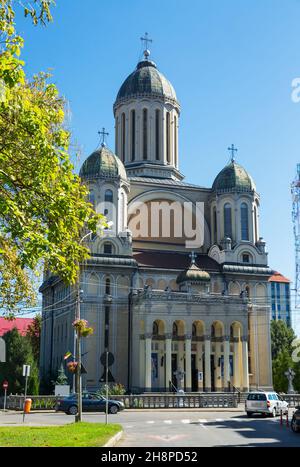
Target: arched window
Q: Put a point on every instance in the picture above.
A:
(107, 286)
(213, 331)
(132, 123)
(175, 329)
(123, 137)
(155, 329)
(255, 225)
(109, 197)
(168, 146)
(214, 225)
(194, 330)
(122, 211)
(107, 248)
(227, 221)
(157, 134)
(231, 332)
(92, 198)
(244, 222)
(145, 134)
(175, 141)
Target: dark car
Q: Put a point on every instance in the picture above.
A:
(295, 423)
(91, 402)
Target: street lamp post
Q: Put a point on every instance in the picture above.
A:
(78, 416)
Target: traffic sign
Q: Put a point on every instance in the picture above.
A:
(26, 370)
(2, 350)
(110, 359)
(5, 384)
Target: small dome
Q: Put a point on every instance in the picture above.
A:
(146, 81)
(103, 163)
(193, 274)
(233, 178)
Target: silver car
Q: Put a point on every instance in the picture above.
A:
(267, 403)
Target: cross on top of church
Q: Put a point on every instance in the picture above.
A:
(103, 135)
(145, 40)
(193, 257)
(232, 149)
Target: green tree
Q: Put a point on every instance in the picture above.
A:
(282, 337)
(43, 204)
(34, 335)
(19, 353)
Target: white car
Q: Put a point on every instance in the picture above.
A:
(267, 403)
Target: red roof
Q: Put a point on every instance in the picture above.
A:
(277, 277)
(20, 323)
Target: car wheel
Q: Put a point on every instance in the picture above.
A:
(294, 426)
(113, 409)
(72, 410)
(249, 414)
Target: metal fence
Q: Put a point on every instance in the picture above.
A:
(145, 401)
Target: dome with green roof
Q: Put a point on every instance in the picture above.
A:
(193, 274)
(146, 81)
(233, 178)
(103, 163)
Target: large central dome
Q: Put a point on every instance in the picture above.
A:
(146, 81)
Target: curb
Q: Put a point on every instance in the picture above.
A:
(114, 440)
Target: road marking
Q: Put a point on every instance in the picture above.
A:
(169, 422)
(219, 419)
(168, 438)
(185, 421)
(202, 420)
(203, 426)
(150, 421)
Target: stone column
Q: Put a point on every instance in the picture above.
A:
(226, 362)
(245, 364)
(188, 363)
(218, 379)
(168, 363)
(142, 364)
(207, 352)
(148, 373)
(199, 364)
(236, 363)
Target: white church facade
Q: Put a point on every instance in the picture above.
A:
(174, 312)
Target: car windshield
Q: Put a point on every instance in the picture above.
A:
(257, 397)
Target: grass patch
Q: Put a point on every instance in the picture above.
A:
(72, 435)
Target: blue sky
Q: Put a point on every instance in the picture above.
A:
(231, 62)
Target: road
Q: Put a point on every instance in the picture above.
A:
(155, 428)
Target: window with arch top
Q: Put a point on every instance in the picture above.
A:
(109, 196)
(175, 329)
(108, 248)
(244, 222)
(227, 221)
(107, 286)
(155, 329)
(145, 134)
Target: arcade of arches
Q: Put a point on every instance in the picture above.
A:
(194, 358)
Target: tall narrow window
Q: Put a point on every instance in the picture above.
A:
(227, 221)
(123, 142)
(107, 286)
(132, 135)
(145, 134)
(157, 134)
(175, 141)
(214, 225)
(168, 148)
(108, 197)
(255, 224)
(117, 136)
(244, 222)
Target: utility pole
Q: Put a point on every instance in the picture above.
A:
(78, 417)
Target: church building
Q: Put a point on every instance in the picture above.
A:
(177, 287)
